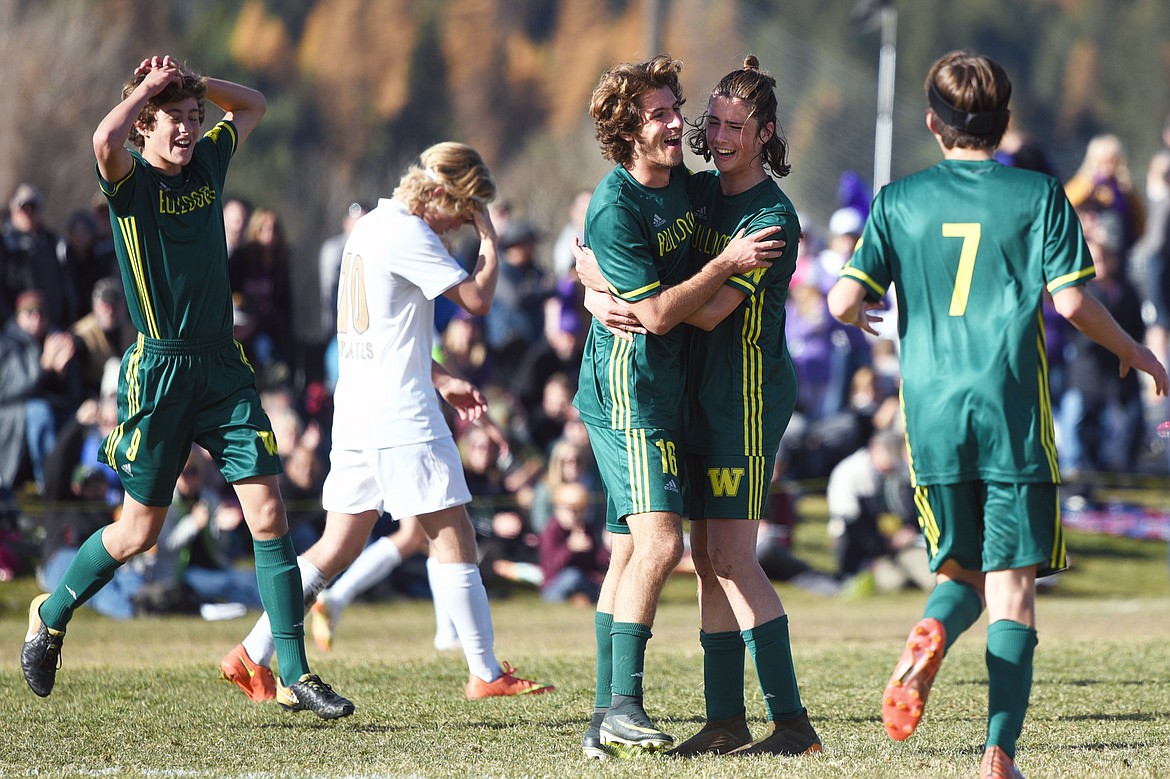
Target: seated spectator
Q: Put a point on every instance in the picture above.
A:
(569, 462)
(774, 542)
(28, 260)
(104, 333)
(500, 523)
(40, 387)
(516, 316)
(872, 519)
(83, 258)
(573, 554)
(262, 286)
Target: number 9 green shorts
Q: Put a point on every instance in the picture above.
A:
(175, 393)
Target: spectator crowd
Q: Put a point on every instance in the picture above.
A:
(537, 508)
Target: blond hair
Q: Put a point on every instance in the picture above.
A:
(449, 177)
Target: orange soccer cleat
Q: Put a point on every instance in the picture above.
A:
(256, 681)
(905, 697)
(997, 765)
(507, 684)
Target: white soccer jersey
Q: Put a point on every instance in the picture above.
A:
(394, 268)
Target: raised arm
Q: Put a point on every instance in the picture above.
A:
(1090, 317)
(109, 140)
(475, 293)
(243, 105)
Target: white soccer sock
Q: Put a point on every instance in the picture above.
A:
(445, 635)
(259, 644)
(374, 564)
(459, 591)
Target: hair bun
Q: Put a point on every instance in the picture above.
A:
(751, 63)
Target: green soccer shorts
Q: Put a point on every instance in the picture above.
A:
(992, 526)
(175, 393)
(639, 470)
(728, 486)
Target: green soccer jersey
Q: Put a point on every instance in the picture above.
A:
(970, 247)
(741, 384)
(169, 238)
(641, 237)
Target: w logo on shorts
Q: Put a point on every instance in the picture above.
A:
(269, 439)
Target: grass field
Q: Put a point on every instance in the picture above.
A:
(144, 699)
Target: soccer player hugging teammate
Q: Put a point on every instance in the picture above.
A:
(639, 227)
(970, 247)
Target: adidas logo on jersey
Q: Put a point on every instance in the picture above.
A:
(659, 221)
(671, 486)
(701, 214)
(126, 469)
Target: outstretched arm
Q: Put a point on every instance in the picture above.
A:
(848, 305)
(1090, 317)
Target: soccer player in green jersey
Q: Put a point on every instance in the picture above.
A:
(639, 225)
(741, 391)
(186, 380)
(970, 247)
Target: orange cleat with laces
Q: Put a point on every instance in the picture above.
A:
(508, 683)
(256, 681)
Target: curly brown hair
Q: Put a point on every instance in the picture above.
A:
(758, 91)
(194, 85)
(614, 105)
(973, 84)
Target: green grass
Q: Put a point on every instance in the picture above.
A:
(144, 699)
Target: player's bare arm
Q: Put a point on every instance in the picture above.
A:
(744, 253)
(848, 305)
(109, 140)
(242, 105)
(1090, 317)
(475, 293)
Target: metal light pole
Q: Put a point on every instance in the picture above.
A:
(653, 27)
(884, 133)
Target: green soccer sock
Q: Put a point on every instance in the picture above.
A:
(956, 606)
(279, 579)
(92, 568)
(602, 625)
(772, 655)
(1010, 647)
(629, 657)
(723, 664)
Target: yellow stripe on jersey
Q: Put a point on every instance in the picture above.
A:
(129, 227)
(1047, 427)
(927, 520)
(753, 379)
(639, 291)
(118, 185)
(863, 277)
(1060, 281)
(619, 383)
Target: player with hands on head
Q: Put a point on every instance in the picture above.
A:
(186, 380)
(392, 449)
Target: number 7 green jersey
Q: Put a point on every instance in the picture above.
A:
(970, 248)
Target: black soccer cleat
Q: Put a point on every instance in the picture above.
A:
(40, 657)
(309, 693)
